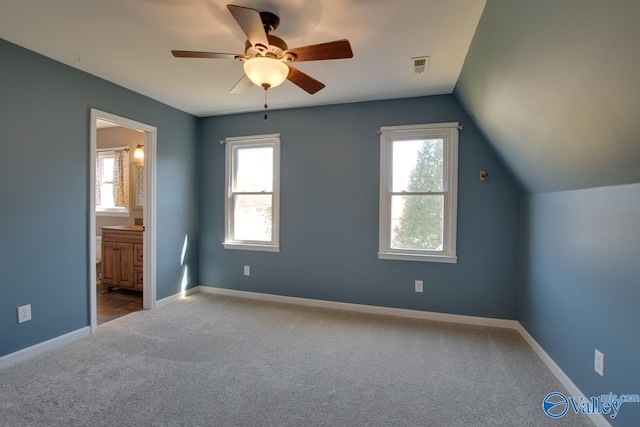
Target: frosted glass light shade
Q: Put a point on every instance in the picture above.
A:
(139, 152)
(266, 71)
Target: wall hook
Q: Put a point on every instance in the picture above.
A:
(483, 175)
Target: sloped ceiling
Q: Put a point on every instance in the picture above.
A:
(555, 86)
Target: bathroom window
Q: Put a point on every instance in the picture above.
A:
(252, 199)
(112, 182)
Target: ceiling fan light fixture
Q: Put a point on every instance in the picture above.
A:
(266, 72)
(266, 56)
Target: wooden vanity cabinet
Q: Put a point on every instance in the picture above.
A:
(122, 261)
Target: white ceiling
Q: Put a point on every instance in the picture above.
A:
(129, 42)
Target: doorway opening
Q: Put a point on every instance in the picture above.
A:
(121, 216)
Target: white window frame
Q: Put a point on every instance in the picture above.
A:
(448, 132)
(115, 211)
(232, 143)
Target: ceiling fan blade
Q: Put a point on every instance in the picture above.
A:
(214, 55)
(304, 81)
(243, 85)
(338, 49)
(251, 23)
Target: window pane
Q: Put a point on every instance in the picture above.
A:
(417, 222)
(254, 169)
(252, 217)
(107, 169)
(106, 196)
(417, 165)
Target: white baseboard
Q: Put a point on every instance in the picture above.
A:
(361, 308)
(43, 347)
(599, 420)
(176, 297)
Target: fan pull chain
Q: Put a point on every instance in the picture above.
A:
(265, 103)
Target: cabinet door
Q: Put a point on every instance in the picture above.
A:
(109, 263)
(137, 255)
(138, 282)
(137, 266)
(125, 264)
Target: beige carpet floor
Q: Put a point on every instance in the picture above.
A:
(222, 361)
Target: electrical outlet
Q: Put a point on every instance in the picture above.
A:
(418, 285)
(247, 270)
(599, 363)
(24, 313)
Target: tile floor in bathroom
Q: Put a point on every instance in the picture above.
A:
(116, 303)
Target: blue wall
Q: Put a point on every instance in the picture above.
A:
(329, 213)
(580, 286)
(44, 187)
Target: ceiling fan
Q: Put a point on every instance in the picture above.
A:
(267, 58)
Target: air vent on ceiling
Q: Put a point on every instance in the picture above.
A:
(420, 65)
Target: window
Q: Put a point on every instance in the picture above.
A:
(418, 192)
(112, 182)
(252, 202)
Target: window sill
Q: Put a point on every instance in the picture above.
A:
(113, 213)
(447, 259)
(251, 247)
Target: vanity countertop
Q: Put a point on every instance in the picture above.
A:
(123, 227)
